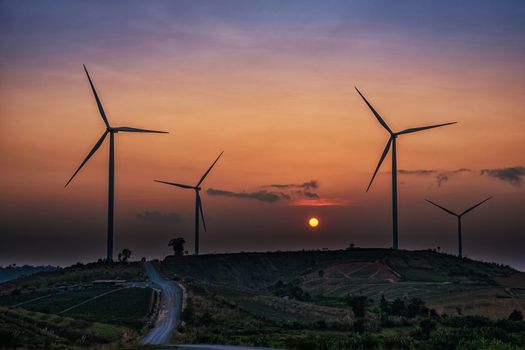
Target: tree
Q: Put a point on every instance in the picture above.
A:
(416, 307)
(358, 304)
(516, 315)
(398, 307)
(384, 305)
(178, 245)
(124, 255)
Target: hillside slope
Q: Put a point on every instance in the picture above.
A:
(445, 282)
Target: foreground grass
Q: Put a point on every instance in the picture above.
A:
(215, 316)
(36, 330)
(127, 307)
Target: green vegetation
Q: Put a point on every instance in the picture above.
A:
(127, 306)
(353, 299)
(59, 301)
(37, 330)
(78, 273)
(101, 314)
(348, 299)
(217, 315)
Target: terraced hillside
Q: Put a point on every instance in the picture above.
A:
(247, 294)
(444, 281)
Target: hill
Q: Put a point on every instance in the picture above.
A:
(330, 299)
(444, 281)
(345, 299)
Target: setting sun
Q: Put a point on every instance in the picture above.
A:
(313, 222)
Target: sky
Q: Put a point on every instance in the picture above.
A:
(270, 83)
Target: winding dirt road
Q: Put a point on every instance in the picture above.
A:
(170, 308)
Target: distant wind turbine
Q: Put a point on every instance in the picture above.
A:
(198, 201)
(392, 141)
(460, 244)
(111, 131)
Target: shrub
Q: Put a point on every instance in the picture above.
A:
(516, 315)
(358, 304)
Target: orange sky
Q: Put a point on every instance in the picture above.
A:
(279, 99)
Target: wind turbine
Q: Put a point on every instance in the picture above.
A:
(198, 201)
(460, 246)
(392, 142)
(111, 186)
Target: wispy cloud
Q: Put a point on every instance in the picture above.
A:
(417, 172)
(290, 191)
(309, 194)
(157, 216)
(444, 176)
(512, 175)
(263, 196)
(441, 176)
(312, 184)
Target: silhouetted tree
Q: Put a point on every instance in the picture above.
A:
(178, 245)
(516, 315)
(358, 304)
(416, 307)
(384, 305)
(398, 307)
(124, 255)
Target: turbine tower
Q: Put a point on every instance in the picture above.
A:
(392, 142)
(198, 201)
(111, 186)
(460, 244)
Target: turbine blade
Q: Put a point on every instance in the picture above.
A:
(385, 152)
(93, 150)
(128, 129)
(175, 184)
(381, 121)
(199, 203)
(442, 208)
(408, 131)
(99, 104)
(477, 205)
(209, 169)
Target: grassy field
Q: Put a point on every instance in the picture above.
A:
(127, 307)
(38, 330)
(59, 301)
(34, 310)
